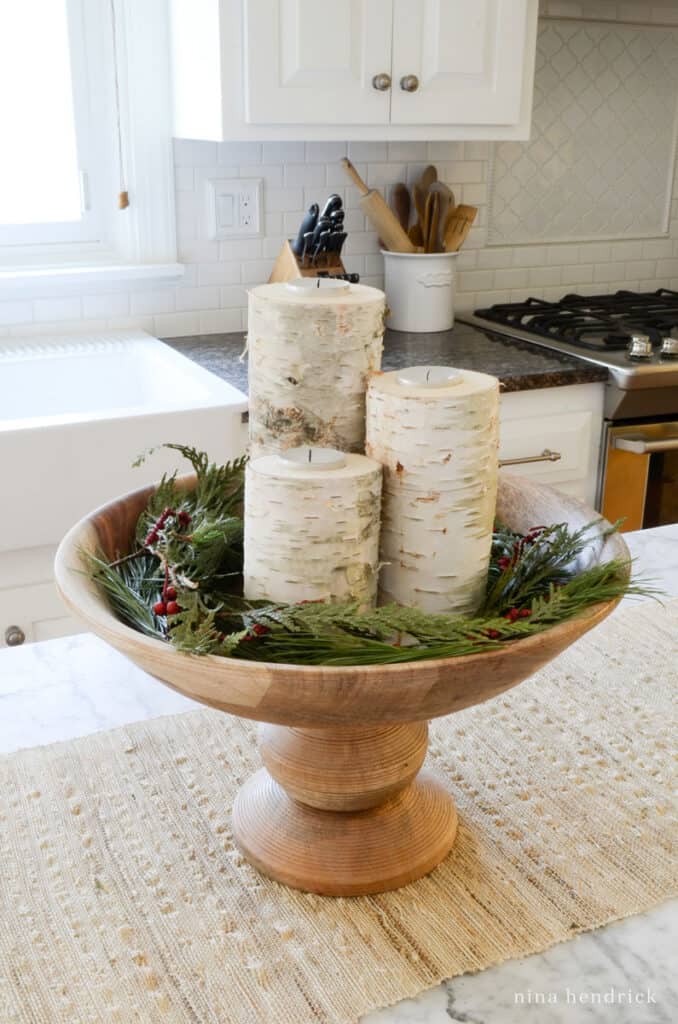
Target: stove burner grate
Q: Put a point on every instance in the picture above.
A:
(593, 322)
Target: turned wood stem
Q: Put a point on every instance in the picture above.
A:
(344, 811)
(344, 769)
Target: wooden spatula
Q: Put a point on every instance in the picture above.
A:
(416, 235)
(429, 175)
(458, 223)
(400, 201)
(379, 214)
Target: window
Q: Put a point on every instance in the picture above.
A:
(85, 91)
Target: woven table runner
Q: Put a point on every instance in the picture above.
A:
(123, 899)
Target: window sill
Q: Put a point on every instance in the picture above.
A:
(27, 280)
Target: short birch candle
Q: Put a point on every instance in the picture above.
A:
(312, 526)
(312, 346)
(435, 431)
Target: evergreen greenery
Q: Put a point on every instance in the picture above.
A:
(188, 548)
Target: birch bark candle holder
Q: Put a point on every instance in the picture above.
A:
(312, 346)
(312, 526)
(435, 431)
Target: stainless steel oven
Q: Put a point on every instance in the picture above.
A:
(639, 478)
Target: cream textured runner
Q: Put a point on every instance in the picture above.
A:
(122, 898)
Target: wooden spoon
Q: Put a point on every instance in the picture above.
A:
(419, 199)
(400, 201)
(416, 235)
(428, 216)
(447, 200)
(432, 244)
(429, 175)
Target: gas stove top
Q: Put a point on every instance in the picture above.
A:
(633, 334)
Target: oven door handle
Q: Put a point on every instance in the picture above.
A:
(637, 446)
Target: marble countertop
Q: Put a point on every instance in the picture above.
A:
(70, 687)
(518, 365)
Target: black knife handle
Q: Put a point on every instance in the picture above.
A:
(307, 224)
(332, 203)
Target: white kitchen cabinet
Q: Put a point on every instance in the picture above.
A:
(353, 69)
(567, 420)
(29, 599)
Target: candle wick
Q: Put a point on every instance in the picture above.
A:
(310, 453)
(428, 374)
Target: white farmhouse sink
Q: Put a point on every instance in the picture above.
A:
(75, 412)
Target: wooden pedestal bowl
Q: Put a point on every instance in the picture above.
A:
(341, 806)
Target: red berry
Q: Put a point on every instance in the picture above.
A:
(173, 608)
(160, 608)
(492, 634)
(184, 519)
(504, 562)
(170, 594)
(259, 629)
(524, 613)
(512, 614)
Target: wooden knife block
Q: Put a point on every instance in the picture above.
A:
(288, 266)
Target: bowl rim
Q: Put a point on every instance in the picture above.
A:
(80, 594)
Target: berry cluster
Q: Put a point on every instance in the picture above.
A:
(168, 603)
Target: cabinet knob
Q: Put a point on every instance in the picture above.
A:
(14, 636)
(409, 83)
(381, 82)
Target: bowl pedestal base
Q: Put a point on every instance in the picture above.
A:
(344, 811)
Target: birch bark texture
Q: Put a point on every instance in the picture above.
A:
(312, 534)
(310, 358)
(439, 449)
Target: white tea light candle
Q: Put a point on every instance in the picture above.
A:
(312, 459)
(435, 431)
(311, 352)
(312, 526)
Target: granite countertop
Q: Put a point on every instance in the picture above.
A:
(518, 365)
(78, 685)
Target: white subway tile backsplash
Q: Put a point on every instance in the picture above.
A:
(284, 152)
(154, 300)
(47, 310)
(212, 295)
(197, 298)
(16, 312)
(105, 305)
(240, 153)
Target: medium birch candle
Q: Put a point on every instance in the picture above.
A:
(435, 431)
(312, 346)
(312, 526)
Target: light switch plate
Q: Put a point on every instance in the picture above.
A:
(233, 207)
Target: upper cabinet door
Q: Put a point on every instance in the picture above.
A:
(463, 61)
(313, 61)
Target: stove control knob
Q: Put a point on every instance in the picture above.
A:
(669, 349)
(640, 347)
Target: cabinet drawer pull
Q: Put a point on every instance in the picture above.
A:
(381, 82)
(14, 636)
(409, 83)
(546, 456)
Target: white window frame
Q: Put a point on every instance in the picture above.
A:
(139, 241)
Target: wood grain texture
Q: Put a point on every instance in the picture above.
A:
(354, 853)
(349, 815)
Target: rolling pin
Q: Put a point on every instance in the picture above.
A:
(379, 214)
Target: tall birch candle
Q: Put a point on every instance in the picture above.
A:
(312, 346)
(312, 526)
(435, 431)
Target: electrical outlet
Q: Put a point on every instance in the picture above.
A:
(233, 207)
